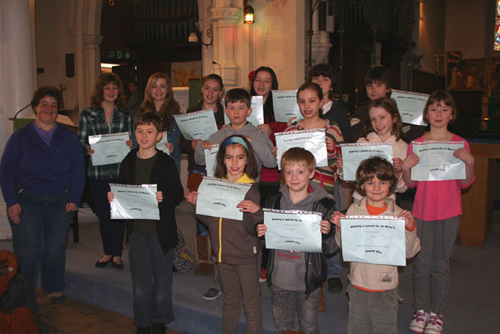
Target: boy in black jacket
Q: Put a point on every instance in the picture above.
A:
(152, 241)
(287, 270)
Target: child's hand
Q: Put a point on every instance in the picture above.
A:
(397, 163)
(464, 155)
(248, 206)
(191, 196)
(340, 163)
(330, 144)
(261, 230)
(111, 196)
(170, 147)
(275, 151)
(90, 151)
(409, 220)
(335, 219)
(410, 161)
(248, 138)
(159, 196)
(130, 143)
(325, 226)
(290, 121)
(265, 128)
(194, 143)
(206, 144)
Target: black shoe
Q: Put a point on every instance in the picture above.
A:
(335, 285)
(117, 265)
(102, 264)
(159, 329)
(143, 330)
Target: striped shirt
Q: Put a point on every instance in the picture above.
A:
(93, 122)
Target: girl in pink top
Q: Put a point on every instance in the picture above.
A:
(437, 209)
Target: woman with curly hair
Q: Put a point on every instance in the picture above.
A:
(105, 116)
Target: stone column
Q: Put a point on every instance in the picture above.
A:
(224, 53)
(17, 73)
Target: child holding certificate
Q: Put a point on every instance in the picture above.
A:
(152, 242)
(373, 292)
(234, 242)
(383, 125)
(437, 208)
(296, 278)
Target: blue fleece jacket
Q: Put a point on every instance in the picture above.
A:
(30, 163)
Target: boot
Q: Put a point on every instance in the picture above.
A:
(322, 301)
(202, 245)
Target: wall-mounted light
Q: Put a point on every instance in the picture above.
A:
(197, 35)
(248, 14)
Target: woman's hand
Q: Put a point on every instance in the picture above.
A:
(409, 220)
(191, 196)
(248, 206)
(291, 121)
(206, 145)
(194, 143)
(275, 151)
(71, 207)
(397, 163)
(159, 196)
(340, 163)
(170, 147)
(410, 161)
(464, 155)
(265, 128)
(90, 151)
(111, 196)
(325, 226)
(13, 211)
(335, 219)
(130, 143)
(261, 230)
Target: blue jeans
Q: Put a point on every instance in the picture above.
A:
(334, 266)
(39, 240)
(112, 231)
(283, 304)
(151, 271)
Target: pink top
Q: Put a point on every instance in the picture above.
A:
(438, 200)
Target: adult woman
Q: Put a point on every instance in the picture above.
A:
(159, 98)
(263, 82)
(105, 116)
(42, 174)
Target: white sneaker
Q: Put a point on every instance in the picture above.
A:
(434, 324)
(419, 321)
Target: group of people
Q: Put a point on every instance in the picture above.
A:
(42, 178)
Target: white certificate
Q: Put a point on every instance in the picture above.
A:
(411, 106)
(211, 159)
(109, 149)
(437, 162)
(373, 239)
(285, 105)
(219, 198)
(312, 140)
(134, 202)
(197, 125)
(257, 115)
(293, 230)
(161, 144)
(353, 154)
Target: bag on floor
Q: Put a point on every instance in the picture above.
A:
(184, 260)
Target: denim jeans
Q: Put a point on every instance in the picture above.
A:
(112, 231)
(39, 240)
(283, 304)
(151, 271)
(334, 266)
